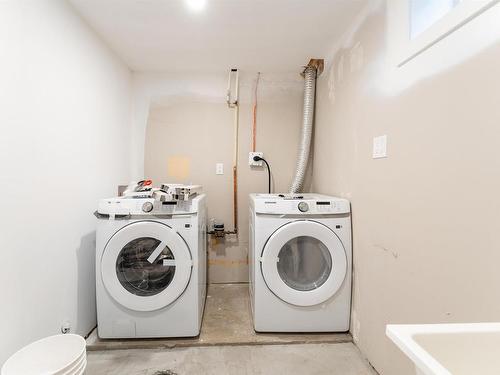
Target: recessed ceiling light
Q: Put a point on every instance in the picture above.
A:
(196, 5)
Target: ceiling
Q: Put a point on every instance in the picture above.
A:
(253, 35)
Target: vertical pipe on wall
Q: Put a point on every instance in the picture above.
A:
(235, 105)
(254, 125)
(235, 167)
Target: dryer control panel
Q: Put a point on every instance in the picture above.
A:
(300, 204)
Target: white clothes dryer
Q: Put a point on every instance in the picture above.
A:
(150, 267)
(300, 260)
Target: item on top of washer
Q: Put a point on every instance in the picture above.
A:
(138, 188)
(167, 192)
(180, 191)
(161, 195)
(290, 196)
(293, 197)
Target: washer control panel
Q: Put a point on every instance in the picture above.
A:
(124, 206)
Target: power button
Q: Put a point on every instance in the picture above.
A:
(303, 207)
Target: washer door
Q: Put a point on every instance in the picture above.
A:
(304, 263)
(146, 266)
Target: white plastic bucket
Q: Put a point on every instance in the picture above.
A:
(54, 355)
(74, 368)
(79, 369)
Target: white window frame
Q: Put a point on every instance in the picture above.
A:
(406, 48)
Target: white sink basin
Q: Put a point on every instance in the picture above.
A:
(450, 349)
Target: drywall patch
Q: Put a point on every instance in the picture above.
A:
(331, 84)
(356, 58)
(178, 167)
(340, 69)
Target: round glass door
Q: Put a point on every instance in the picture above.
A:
(304, 263)
(137, 274)
(146, 266)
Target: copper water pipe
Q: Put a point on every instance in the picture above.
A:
(235, 199)
(254, 125)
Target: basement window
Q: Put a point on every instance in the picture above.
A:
(419, 24)
(425, 13)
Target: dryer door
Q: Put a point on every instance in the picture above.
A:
(304, 263)
(146, 266)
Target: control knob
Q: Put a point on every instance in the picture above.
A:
(147, 207)
(303, 207)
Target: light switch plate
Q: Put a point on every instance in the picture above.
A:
(219, 168)
(380, 147)
(254, 163)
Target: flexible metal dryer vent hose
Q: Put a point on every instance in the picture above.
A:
(307, 127)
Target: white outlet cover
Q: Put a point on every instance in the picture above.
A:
(219, 168)
(254, 163)
(380, 147)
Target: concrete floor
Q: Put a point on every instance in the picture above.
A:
(317, 359)
(227, 321)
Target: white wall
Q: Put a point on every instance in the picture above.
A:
(64, 138)
(163, 88)
(186, 116)
(426, 218)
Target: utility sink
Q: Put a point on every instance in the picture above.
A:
(450, 349)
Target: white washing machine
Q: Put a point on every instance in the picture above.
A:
(150, 267)
(300, 263)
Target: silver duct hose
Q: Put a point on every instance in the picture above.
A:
(307, 127)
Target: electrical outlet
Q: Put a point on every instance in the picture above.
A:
(66, 327)
(254, 163)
